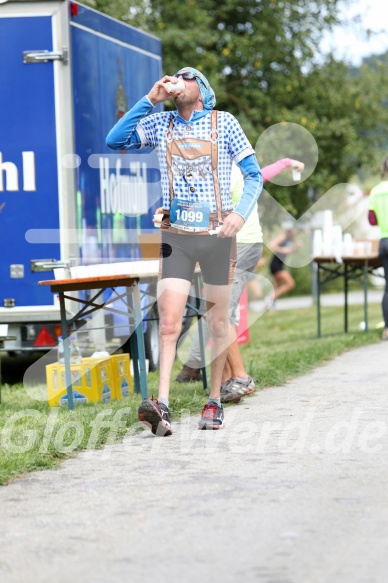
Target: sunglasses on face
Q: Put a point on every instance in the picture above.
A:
(187, 75)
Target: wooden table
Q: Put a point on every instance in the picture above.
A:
(348, 268)
(89, 305)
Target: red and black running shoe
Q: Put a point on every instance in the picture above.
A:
(156, 416)
(212, 417)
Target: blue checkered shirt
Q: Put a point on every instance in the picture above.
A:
(232, 145)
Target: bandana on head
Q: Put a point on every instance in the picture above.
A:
(207, 93)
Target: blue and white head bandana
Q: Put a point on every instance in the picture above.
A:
(207, 93)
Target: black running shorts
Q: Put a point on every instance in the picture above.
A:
(216, 257)
(276, 265)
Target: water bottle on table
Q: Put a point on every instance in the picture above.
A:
(60, 351)
(75, 353)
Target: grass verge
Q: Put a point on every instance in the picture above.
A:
(283, 344)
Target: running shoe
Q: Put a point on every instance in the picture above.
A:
(269, 302)
(212, 417)
(156, 416)
(189, 374)
(244, 386)
(228, 394)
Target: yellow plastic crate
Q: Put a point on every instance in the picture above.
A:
(122, 381)
(92, 382)
(122, 378)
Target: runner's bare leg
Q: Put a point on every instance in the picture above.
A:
(234, 359)
(217, 304)
(172, 296)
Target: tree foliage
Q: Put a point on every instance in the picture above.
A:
(262, 59)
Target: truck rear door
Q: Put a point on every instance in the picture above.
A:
(36, 192)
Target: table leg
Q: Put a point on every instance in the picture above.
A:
(200, 330)
(346, 288)
(135, 361)
(140, 341)
(66, 351)
(319, 300)
(366, 295)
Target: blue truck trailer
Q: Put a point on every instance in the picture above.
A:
(67, 74)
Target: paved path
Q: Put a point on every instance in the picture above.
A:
(337, 299)
(294, 490)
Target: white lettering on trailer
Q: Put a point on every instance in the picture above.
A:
(29, 182)
(9, 171)
(123, 193)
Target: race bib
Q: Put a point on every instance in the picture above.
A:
(189, 215)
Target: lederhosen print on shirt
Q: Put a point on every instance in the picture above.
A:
(193, 159)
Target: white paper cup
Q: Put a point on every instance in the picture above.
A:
(172, 87)
(296, 175)
(158, 220)
(59, 273)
